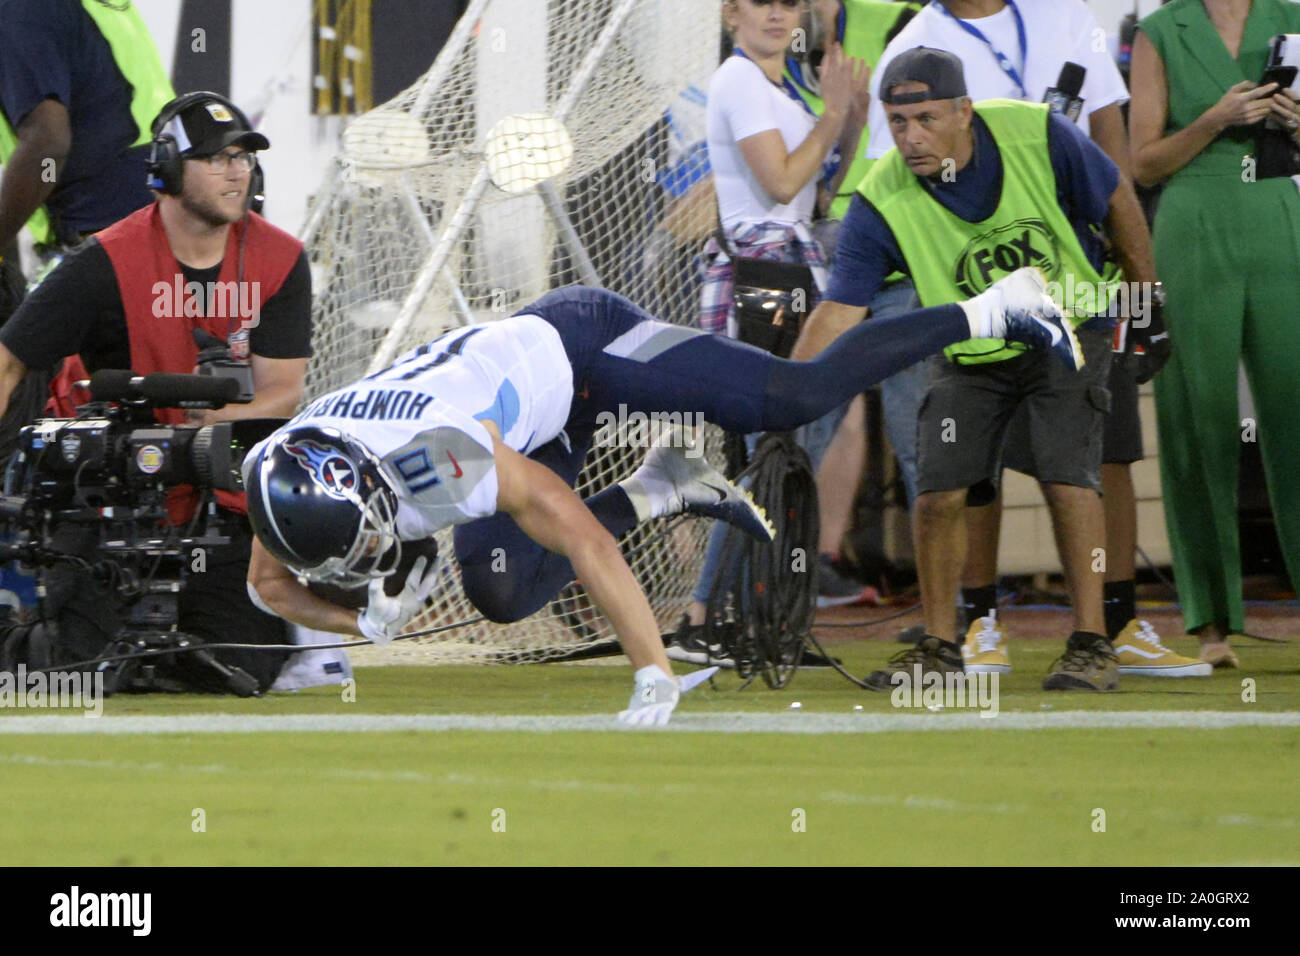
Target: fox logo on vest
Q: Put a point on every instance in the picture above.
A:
(987, 258)
(334, 473)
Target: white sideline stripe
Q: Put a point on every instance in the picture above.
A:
(727, 723)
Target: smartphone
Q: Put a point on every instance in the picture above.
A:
(1283, 76)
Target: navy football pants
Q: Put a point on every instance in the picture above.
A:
(621, 355)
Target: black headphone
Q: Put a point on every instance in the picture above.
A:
(166, 168)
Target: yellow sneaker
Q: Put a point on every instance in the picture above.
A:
(985, 651)
(1140, 652)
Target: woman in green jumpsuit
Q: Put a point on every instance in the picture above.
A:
(1227, 247)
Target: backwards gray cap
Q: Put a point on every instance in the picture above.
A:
(937, 69)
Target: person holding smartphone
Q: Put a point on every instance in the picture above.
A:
(1227, 246)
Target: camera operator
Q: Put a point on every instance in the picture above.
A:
(131, 297)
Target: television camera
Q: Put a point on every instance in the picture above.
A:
(95, 504)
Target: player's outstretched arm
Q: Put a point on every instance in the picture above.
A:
(825, 324)
(277, 588)
(551, 513)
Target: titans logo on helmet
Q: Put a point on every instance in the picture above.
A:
(335, 474)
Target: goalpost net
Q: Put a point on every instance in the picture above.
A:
(552, 142)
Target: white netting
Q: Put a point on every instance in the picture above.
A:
(551, 142)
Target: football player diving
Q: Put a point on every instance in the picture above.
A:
(487, 427)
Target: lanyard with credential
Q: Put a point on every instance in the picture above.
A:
(1004, 62)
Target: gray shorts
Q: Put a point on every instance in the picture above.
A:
(966, 413)
(1121, 435)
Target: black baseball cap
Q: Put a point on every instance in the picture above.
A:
(209, 125)
(937, 69)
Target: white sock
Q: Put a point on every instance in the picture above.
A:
(984, 315)
(650, 494)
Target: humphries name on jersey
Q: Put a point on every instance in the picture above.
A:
(422, 415)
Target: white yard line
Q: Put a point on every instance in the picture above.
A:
(784, 723)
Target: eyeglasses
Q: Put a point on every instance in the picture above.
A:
(788, 4)
(220, 162)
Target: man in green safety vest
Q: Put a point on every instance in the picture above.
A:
(969, 194)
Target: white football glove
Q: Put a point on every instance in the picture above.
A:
(384, 617)
(656, 695)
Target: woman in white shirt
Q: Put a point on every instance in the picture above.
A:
(767, 149)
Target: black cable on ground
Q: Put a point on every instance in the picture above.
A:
(762, 602)
(191, 648)
(817, 645)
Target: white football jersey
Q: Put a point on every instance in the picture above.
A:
(420, 417)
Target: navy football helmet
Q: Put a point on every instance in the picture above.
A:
(319, 503)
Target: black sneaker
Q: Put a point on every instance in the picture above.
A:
(690, 645)
(1089, 663)
(931, 653)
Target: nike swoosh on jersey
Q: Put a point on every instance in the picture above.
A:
(455, 464)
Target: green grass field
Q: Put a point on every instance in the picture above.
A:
(997, 791)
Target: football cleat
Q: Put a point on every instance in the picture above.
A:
(1030, 316)
(696, 487)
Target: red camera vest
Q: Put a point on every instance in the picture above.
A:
(161, 313)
